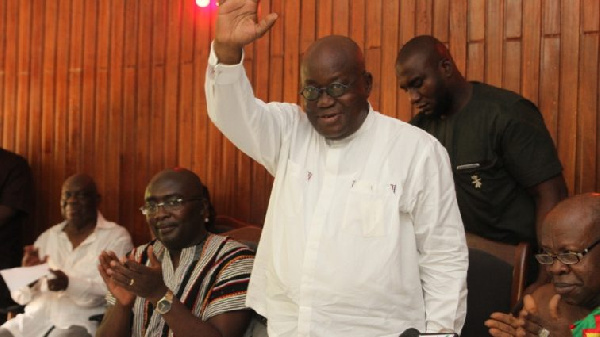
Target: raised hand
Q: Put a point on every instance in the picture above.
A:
(122, 295)
(238, 25)
(31, 257)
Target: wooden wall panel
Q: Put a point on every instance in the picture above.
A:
(115, 88)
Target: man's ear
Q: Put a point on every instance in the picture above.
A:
(368, 82)
(205, 209)
(446, 67)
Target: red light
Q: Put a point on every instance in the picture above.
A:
(202, 3)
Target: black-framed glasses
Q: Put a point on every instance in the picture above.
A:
(170, 205)
(335, 90)
(77, 195)
(566, 257)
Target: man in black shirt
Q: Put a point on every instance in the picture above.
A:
(16, 200)
(506, 169)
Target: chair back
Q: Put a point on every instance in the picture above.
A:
(226, 223)
(495, 280)
(250, 236)
(516, 256)
(246, 233)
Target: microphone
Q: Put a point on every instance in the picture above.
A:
(412, 332)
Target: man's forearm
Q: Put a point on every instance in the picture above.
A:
(116, 322)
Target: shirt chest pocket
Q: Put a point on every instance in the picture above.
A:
(370, 208)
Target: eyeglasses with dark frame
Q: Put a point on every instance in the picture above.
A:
(567, 258)
(170, 205)
(77, 195)
(335, 90)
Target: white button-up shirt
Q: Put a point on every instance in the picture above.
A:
(85, 294)
(362, 236)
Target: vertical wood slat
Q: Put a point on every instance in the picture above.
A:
(494, 37)
(10, 77)
(23, 77)
(389, 47)
(530, 66)
(372, 48)
(3, 51)
(115, 88)
(34, 135)
(569, 73)
(587, 119)
(88, 84)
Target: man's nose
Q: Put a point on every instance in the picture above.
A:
(557, 267)
(324, 99)
(414, 96)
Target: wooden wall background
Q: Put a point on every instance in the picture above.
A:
(114, 88)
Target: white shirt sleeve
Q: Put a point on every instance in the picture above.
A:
(243, 118)
(443, 253)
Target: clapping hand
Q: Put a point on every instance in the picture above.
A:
(535, 325)
(127, 279)
(105, 267)
(503, 325)
(31, 257)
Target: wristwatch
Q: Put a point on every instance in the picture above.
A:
(163, 305)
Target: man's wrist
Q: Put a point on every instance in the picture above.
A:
(164, 305)
(155, 298)
(227, 53)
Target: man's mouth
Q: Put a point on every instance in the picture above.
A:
(564, 288)
(328, 116)
(422, 107)
(166, 228)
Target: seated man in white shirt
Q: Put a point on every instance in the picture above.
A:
(61, 304)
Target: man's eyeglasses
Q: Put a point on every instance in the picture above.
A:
(77, 195)
(170, 205)
(566, 257)
(335, 90)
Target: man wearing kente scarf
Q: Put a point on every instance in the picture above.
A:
(570, 305)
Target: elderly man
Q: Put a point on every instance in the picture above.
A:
(62, 304)
(187, 282)
(570, 306)
(362, 236)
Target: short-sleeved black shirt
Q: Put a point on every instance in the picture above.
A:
(16, 192)
(498, 146)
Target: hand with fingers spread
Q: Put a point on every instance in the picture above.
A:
(238, 25)
(145, 281)
(31, 257)
(121, 294)
(136, 279)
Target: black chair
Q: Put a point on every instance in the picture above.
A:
(489, 281)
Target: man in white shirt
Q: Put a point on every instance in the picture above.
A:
(61, 305)
(363, 236)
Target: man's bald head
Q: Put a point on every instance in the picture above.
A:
(424, 46)
(186, 179)
(334, 51)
